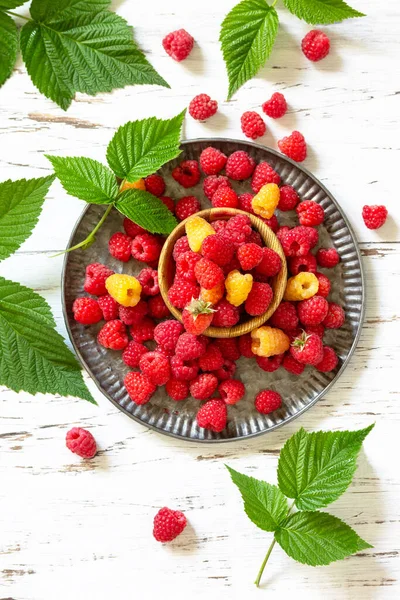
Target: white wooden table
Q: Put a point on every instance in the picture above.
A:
(70, 528)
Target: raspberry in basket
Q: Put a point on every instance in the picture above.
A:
(270, 264)
(294, 146)
(310, 213)
(178, 44)
(266, 200)
(155, 185)
(328, 257)
(148, 279)
(139, 387)
(252, 125)
(238, 229)
(186, 207)
(95, 279)
(308, 263)
(202, 107)
(181, 245)
(214, 295)
(231, 391)
(335, 316)
(240, 165)
(226, 314)
(87, 311)
(167, 333)
(168, 524)
(213, 415)
(113, 335)
(225, 197)
(125, 289)
(238, 287)
(259, 298)
(249, 255)
(184, 370)
(263, 174)
(302, 286)
(203, 387)
(272, 223)
(109, 307)
(81, 442)
(315, 45)
(267, 401)
(212, 161)
(185, 264)
(190, 347)
(307, 349)
(133, 353)
(212, 359)
(268, 341)
(329, 360)
(276, 106)
(197, 316)
(269, 364)
(187, 173)
(156, 367)
(143, 331)
(374, 216)
(119, 246)
(181, 292)
(285, 317)
(132, 229)
(218, 248)
(212, 183)
(146, 248)
(312, 311)
(197, 229)
(133, 315)
(177, 390)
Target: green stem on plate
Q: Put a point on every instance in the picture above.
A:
(13, 14)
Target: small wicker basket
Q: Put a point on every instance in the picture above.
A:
(278, 284)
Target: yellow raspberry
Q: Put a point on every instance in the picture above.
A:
(265, 202)
(301, 286)
(135, 185)
(214, 295)
(238, 287)
(124, 289)
(197, 229)
(268, 341)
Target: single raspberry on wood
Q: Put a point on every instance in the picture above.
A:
(143, 331)
(146, 247)
(212, 161)
(276, 106)
(133, 353)
(190, 347)
(139, 387)
(168, 524)
(132, 229)
(186, 207)
(269, 364)
(259, 299)
(148, 279)
(177, 390)
(263, 174)
(185, 264)
(312, 311)
(249, 255)
(231, 391)
(184, 370)
(328, 257)
(218, 248)
(374, 216)
(307, 349)
(267, 401)
(285, 317)
(157, 307)
(181, 292)
(119, 246)
(156, 367)
(167, 333)
(329, 360)
(288, 198)
(212, 359)
(203, 387)
(178, 44)
(225, 197)
(213, 415)
(315, 45)
(187, 173)
(212, 183)
(133, 315)
(335, 316)
(240, 165)
(253, 126)
(294, 146)
(229, 348)
(155, 185)
(95, 279)
(202, 107)
(113, 335)
(109, 307)
(292, 365)
(81, 442)
(310, 213)
(87, 311)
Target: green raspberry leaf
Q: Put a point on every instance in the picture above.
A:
(139, 148)
(80, 46)
(9, 4)
(316, 468)
(264, 503)
(146, 210)
(8, 46)
(33, 356)
(20, 206)
(315, 538)
(85, 178)
(247, 36)
(321, 11)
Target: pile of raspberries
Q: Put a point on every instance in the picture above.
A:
(223, 275)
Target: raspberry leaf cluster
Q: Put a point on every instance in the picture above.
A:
(249, 30)
(73, 46)
(33, 355)
(314, 469)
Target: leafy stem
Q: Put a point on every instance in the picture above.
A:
(13, 14)
(92, 235)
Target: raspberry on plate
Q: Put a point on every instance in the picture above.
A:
(202, 107)
(317, 329)
(184, 370)
(302, 286)
(133, 315)
(288, 198)
(315, 45)
(313, 310)
(169, 203)
(240, 165)
(374, 216)
(203, 387)
(335, 316)
(187, 173)
(125, 289)
(328, 257)
(292, 365)
(212, 183)
(249, 255)
(266, 200)
(139, 387)
(231, 391)
(190, 347)
(218, 248)
(324, 285)
(212, 359)
(267, 401)
(226, 314)
(168, 524)
(295, 242)
(143, 331)
(212, 161)
(177, 390)
(113, 335)
(245, 346)
(272, 223)
(132, 229)
(155, 185)
(285, 317)
(133, 353)
(156, 367)
(276, 106)
(294, 146)
(225, 197)
(259, 299)
(81, 442)
(109, 307)
(197, 316)
(229, 348)
(298, 264)
(253, 126)
(178, 44)
(227, 371)
(87, 311)
(213, 415)
(119, 246)
(307, 349)
(269, 364)
(245, 201)
(329, 360)
(186, 207)
(310, 213)
(263, 173)
(167, 333)
(148, 279)
(146, 247)
(95, 279)
(181, 292)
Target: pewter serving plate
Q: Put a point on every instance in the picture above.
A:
(178, 419)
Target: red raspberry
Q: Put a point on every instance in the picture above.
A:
(139, 387)
(190, 347)
(255, 238)
(249, 255)
(263, 173)
(109, 307)
(197, 316)
(324, 285)
(307, 349)
(95, 280)
(312, 311)
(281, 233)
(181, 292)
(203, 387)
(272, 223)
(178, 44)
(240, 165)
(226, 314)
(312, 234)
(169, 203)
(156, 367)
(133, 353)
(285, 317)
(132, 229)
(157, 307)
(133, 315)
(294, 146)
(155, 185)
(328, 257)
(310, 213)
(294, 333)
(234, 265)
(166, 334)
(231, 391)
(259, 298)
(229, 348)
(81, 442)
(212, 183)
(187, 173)
(212, 359)
(267, 401)
(245, 342)
(317, 329)
(335, 316)
(374, 216)
(202, 107)
(292, 365)
(212, 161)
(218, 249)
(224, 197)
(329, 361)
(184, 370)
(143, 331)
(238, 229)
(219, 226)
(288, 198)
(245, 203)
(177, 390)
(295, 242)
(208, 274)
(181, 245)
(270, 264)
(299, 264)
(253, 126)
(146, 248)
(148, 279)
(227, 371)
(119, 246)
(87, 311)
(269, 364)
(185, 264)
(113, 335)
(186, 207)
(168, 524)
(213, 415)
(276, 106)
(315, 45)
